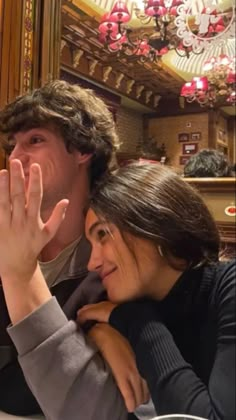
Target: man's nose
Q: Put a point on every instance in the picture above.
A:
(95, 261)
(18, 153)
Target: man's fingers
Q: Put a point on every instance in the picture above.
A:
(55, 220)
(35, 191)
(17, 192)
(5, 204)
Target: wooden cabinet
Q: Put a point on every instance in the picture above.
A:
(219, 195)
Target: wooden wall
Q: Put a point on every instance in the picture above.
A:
(215, 131)
(167, 130)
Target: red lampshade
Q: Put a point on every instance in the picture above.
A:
(156, 3)
(163, 51)
(231, 78)
(201, 83)
(173, 3)
(173, 11)
(107, 25)
(155, 8)
(116, 45)
(155, 11)
(143, 48)
(120, 12)
(187, 89)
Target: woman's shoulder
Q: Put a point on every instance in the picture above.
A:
(225, 281)
(226, 270)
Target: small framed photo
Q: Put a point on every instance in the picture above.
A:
(183, 137)
(190, 148)
(196, 136)
(183, 160)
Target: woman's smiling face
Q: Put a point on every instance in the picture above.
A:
(127, 267)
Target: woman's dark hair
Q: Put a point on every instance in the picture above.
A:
(151, 201)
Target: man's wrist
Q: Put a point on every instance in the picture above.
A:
(19, 277)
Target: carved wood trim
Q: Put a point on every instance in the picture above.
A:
(50, 40)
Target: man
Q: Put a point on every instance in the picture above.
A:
(70, 133)
(208, 163)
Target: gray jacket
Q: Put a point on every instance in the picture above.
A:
(65, 372)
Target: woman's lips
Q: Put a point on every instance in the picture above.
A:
(106, 274)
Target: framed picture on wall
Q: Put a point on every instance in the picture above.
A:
(190, 148)
(183, 137)
(196, 136)
(183, 160)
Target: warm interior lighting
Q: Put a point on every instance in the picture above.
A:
(158, 32)
(217, 85)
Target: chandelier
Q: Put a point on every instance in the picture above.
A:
(218, 85)
(180, 25)
(154, 40)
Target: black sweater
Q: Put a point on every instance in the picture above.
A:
(185, 344)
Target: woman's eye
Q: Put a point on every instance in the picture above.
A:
(101, 233)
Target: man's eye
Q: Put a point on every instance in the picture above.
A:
(35, 140)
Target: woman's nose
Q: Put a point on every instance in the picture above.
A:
(95, 260)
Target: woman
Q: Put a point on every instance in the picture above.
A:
(153, 237)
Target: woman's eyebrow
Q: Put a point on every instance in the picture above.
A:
(94, 225)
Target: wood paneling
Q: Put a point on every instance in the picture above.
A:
(166, 130)
(50, 40)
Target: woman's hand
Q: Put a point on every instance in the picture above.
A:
(95, 312)
(117, 352)
(23, 233)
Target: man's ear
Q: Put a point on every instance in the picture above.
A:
(84, 158)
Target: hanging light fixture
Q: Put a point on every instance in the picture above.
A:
(150, 43)
(217, 85)
(165, 25)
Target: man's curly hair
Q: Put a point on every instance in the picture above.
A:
(82, 119)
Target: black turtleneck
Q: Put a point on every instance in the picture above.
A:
(185, 344)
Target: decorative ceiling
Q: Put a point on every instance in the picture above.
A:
(147, 83)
